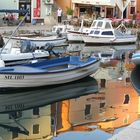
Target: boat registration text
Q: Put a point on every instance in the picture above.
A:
(14, 77)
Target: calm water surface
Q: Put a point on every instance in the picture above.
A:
(86, 109)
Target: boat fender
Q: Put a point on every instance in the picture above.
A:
(2, 64)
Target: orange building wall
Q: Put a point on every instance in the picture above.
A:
(137, 8)
(138, 5)
(63, 4)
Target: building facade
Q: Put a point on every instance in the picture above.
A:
(39, 10)
(93, 8)
(106, 8)
(44, 11)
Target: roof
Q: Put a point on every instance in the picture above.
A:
(13, 11)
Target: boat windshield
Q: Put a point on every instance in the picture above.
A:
(99, 24)
(26, 46)
(93, 24)
(107, 25)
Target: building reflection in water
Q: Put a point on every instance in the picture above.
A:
(113, 107)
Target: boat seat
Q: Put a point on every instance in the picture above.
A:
(52, 65)
(27, 69)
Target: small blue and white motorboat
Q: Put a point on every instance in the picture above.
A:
(48, 72)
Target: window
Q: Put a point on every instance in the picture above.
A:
(94, 23)
(82, 11)
(52, 122)
(102, 105)
(91, 32)
(107, 26)
(107, 33)
(96, 32)
(36, 111)
(126, 99)
(87, 109)
(14, 134)
(99, 24)
(36, 129)
(132, 10)
(106, 55)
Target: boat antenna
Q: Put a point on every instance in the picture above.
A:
(20, 23)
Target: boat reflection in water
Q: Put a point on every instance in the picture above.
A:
(21, 99)
(27, 114)
(101, 113)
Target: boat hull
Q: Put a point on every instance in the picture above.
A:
(22, 58)
(74, 37)
(42, 41)
(25, 80)
(100, 41)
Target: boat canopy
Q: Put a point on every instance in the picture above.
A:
(102, 24)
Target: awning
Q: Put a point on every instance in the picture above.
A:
(96, 2)
(103, 2)
(82, 1)
(13, 11)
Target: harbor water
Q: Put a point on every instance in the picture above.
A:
(101, 106)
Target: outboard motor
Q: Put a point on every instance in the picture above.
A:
(135, 78)
(49, 47)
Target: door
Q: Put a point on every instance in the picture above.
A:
(24, 6)
(109, 12)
